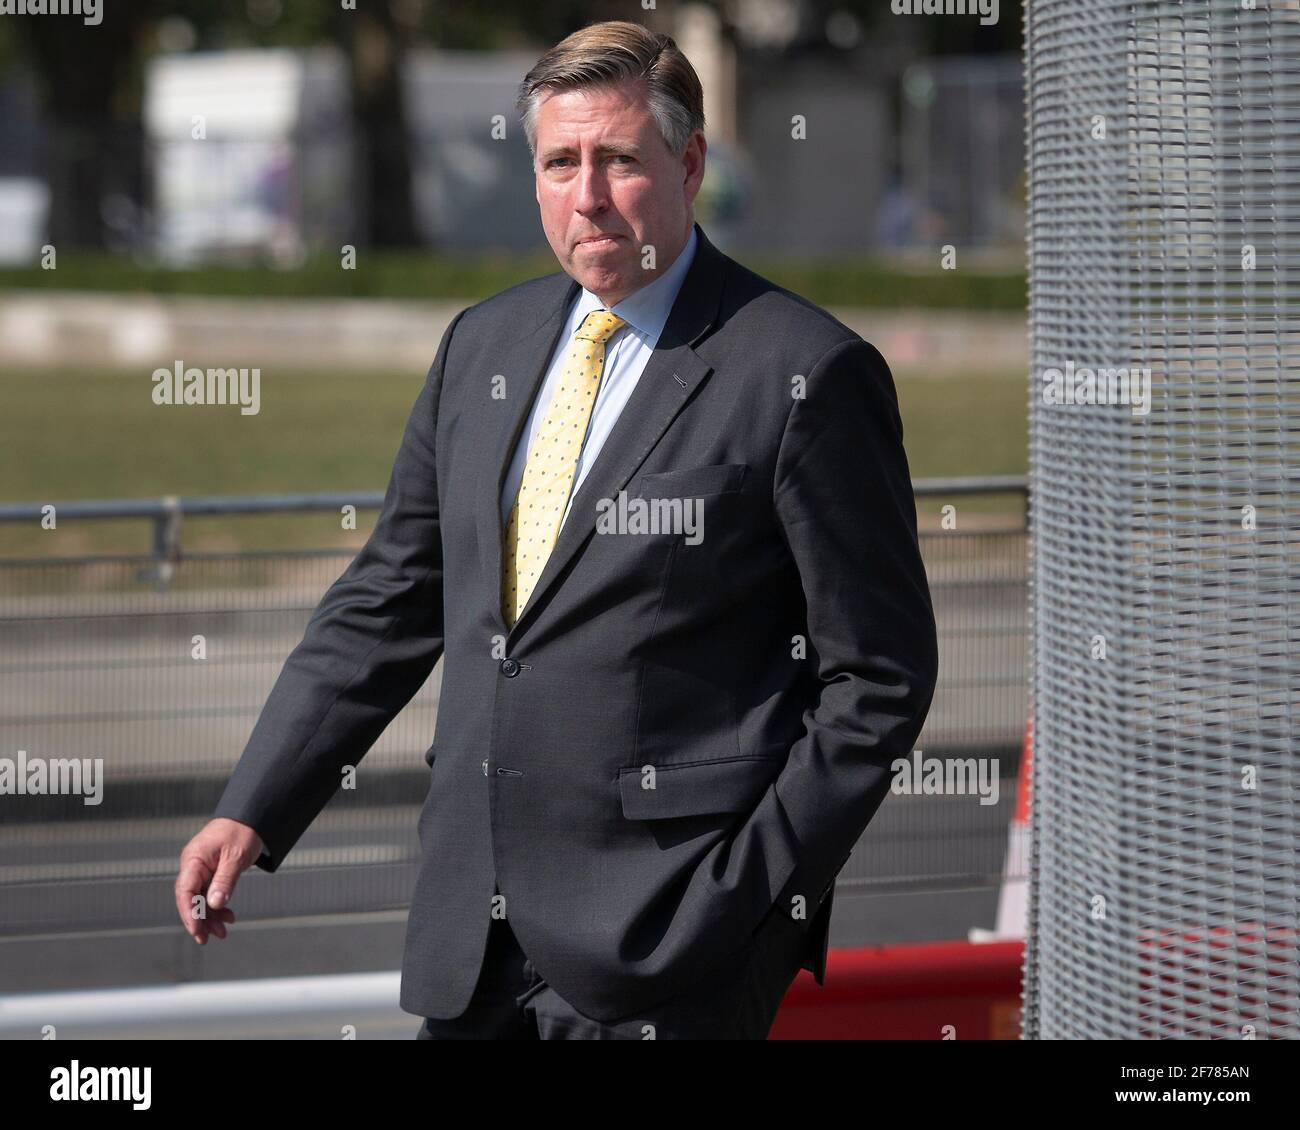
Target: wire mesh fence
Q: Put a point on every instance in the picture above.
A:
(1164, 157)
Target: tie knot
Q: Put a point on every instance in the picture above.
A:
(599, 326)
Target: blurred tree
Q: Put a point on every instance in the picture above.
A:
(80, 70)
(375, 41)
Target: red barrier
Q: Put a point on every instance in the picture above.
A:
(969, 991)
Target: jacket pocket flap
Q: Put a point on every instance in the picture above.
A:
(693, 482)
(696, 788)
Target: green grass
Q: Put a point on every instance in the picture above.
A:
(853, 281)
(74, 434)
(964, 425)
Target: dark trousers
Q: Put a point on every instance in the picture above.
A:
(512, 1002)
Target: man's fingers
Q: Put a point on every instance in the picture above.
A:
(223, 883)
(215, 923)
(190, 882)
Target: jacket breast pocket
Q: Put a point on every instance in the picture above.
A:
(696, 788)
(693, 482)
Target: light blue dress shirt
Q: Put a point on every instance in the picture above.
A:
(626, 355)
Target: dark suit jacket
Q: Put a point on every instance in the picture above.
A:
(769, 674)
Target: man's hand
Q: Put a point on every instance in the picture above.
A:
(211, 864)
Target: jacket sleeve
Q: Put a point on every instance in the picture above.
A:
(844, 503)
(368, 647)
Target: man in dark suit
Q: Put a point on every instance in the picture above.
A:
(656, 513)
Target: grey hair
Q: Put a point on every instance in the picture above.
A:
(615, 51)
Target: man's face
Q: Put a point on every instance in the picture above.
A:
(603, 169)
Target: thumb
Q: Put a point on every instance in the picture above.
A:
(223, 882)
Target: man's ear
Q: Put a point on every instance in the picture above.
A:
(697, 174)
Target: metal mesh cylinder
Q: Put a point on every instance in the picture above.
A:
(1164, 161)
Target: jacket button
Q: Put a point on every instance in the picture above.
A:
(509, 668)
(485, 766)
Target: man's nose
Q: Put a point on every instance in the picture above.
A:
(593, 192)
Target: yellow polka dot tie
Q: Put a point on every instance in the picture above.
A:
(534, 521)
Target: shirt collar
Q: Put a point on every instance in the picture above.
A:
(646, 310)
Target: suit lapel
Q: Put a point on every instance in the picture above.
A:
(671, 377)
